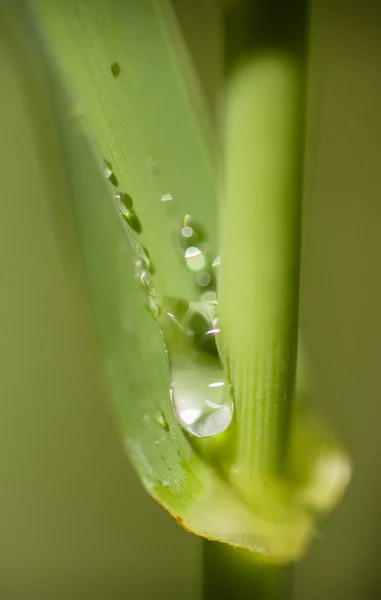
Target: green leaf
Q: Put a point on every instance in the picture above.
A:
(149, 122)
(130, 98)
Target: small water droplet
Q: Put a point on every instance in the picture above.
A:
(146, 259)
(209, 296)
(166, 197)
(125, 200)
(132, 220)
(108, 171)
(203, 279)
(213, 331)
(115, 69)
(191, 233)
(195, 258)
(216, 262)
(187, 231)
(161, 420)
(192, 252)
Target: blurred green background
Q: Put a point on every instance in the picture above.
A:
(74, 520)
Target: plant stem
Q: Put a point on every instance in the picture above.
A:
(259, 280)
(230, 573)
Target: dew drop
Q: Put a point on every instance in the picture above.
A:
(203, 279)
(110, 174)
(161, 420)
(187, 231)
(201, 396)
(195, 258)
(191, 233)
(166, 197)
(146, 258)
(216, 262)
(209, 296)
(125, 199)
(132, 220)
(115, 69)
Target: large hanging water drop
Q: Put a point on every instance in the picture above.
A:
(201, 396)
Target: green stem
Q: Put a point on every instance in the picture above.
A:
(259, 280)
(234, 574)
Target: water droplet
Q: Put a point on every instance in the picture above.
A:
(192, 252)
(166, 197)
(133, 221)
(143, 278)
(209, 296)
(213, 331)
(195, 258)
(191, 233)
(201, 396)
(108, 171)
(146, 259)
(115, 69)
(200, 393)
(125, 199)
(161, 420)
(216, 262)
(187, 231)
(203, 279)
